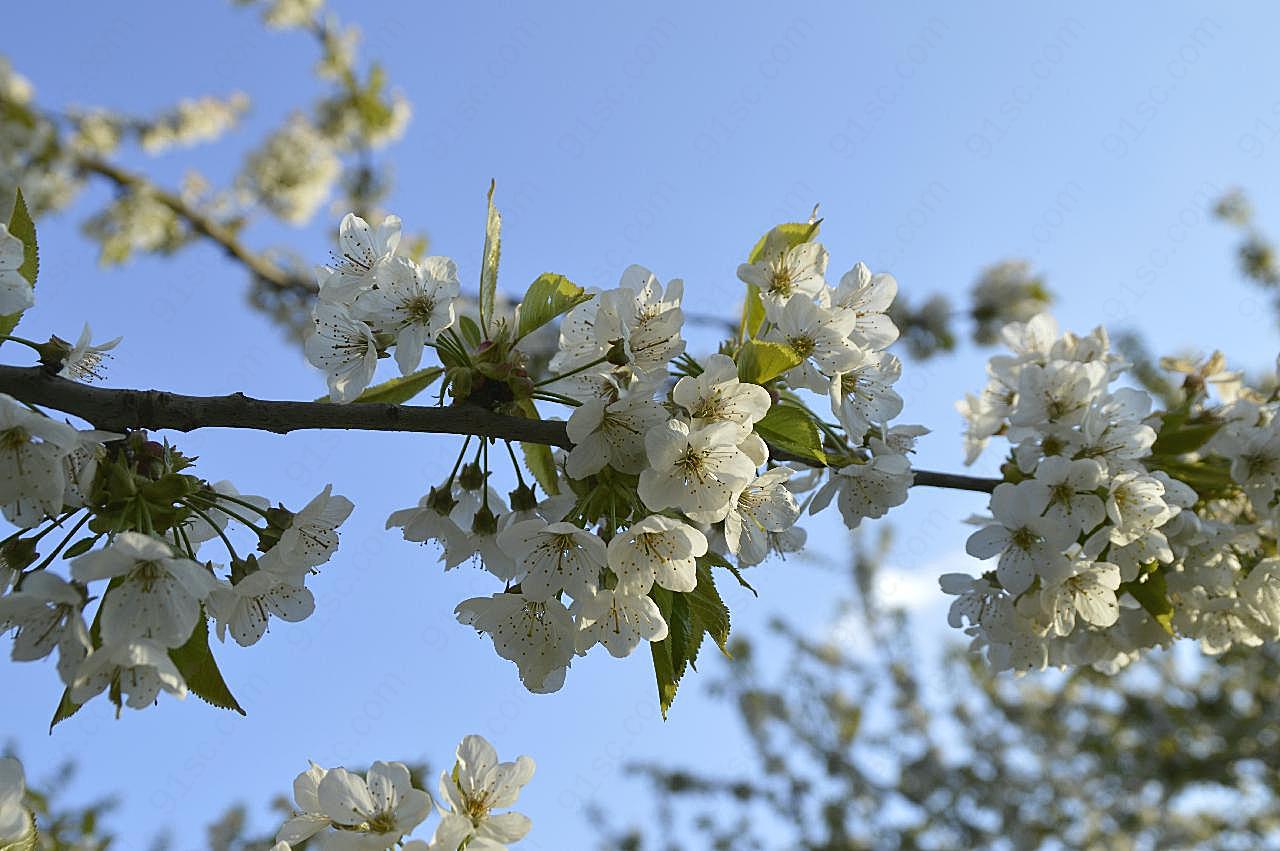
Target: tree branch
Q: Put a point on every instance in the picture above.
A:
(118, 410)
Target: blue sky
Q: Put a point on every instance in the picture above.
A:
(937, 138)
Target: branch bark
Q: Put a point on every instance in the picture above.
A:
(119, 409)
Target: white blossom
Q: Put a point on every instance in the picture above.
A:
(554, 557)
(365, 254)
(344, 348)
(611, 433)
(17, 824)
(84, 361)
(158, 596)
(656, 549)
(537, 635)
(867, 297)
(618, 618)
(716, 395)
(477, 786)
(798, 269)
(140, 666)
(763, 507)
(46, 613)
(414, 302)
(696, 470)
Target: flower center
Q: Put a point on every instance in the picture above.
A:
(803, 345)
(14, 438)
(419, 309)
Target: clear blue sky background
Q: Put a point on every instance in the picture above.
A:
(937, 139)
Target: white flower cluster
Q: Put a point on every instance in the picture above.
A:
(372, 299)
(192, 121)
(293, 171)
(1102, 550)
(842, 333)
(157, 592)
(664, 480)
(342, 811)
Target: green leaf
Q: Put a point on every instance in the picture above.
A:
(716, 560)
(780, 239)
(537, 456)
(752, 312)
(760, 362)
(66, 708)
(1153, 594)
(400, 390)
(689, 617)
(663, 668)
(22, 227)
(710, 613)
(489, 264)
(792, 429)
(547, 297)
(470, 331)
(1178, 435)
(198, 667)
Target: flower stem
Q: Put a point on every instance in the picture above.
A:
(573, 371)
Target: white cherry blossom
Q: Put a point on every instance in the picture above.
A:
(142, 668)
(158, 596)
(84, 361)
(414, 302)
(868, 297)
(618, 619)
(696, 470)
(17, 825)
(763, 507)
(611, 433)
(537, 635)
(1088, 590)
(344, 348)
(656, 549)
(716, 395)
(312, 536)
(46, 613)
(477, 786)
(363, 254)
(798, 269)
(1028, 544)
(554, 557)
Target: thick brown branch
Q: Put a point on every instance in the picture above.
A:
(117, 410)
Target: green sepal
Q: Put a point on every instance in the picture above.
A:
(549, 296)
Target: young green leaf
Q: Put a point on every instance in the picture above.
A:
(198, 667)
(398, 391)
(470, 331)
(537, 456)
(792, 429)
(711, 615)
(547, 297)
(489, 264)
(760, 362)
(780, 239)
(752, 313)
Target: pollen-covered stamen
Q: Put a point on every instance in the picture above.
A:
(419, 309)
(14, 438)
(803, 345)
(781, 278)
